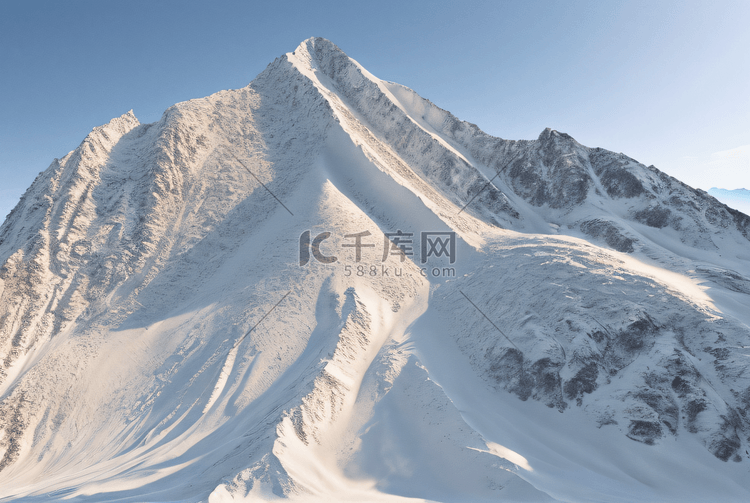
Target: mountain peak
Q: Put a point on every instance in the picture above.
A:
(317, 52)
(550, 133)
(319, 42)
(118, 126)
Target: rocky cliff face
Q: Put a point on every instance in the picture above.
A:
(156, 323)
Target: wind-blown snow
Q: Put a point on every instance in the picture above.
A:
(160, 340)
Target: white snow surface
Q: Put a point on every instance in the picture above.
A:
(160, 340)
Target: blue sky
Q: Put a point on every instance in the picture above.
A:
(665, 82)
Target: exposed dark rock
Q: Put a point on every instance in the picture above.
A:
(664, 405)
(610, 232)
(694, 407)
(654, 216)
(583, 382)
(725, 447)
(645, 431)
(551, 174)
(616, 179)
(637, 333)
(729, 279)
(598, 336)
(680, 386)
(539, 380)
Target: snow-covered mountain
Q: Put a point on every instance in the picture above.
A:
(183, 316)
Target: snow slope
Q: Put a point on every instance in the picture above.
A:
(162, 340)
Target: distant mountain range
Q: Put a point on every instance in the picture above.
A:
(324, 287)
(738, 199)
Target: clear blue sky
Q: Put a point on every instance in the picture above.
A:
(658, 80)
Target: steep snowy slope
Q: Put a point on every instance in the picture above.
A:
(174, 326)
